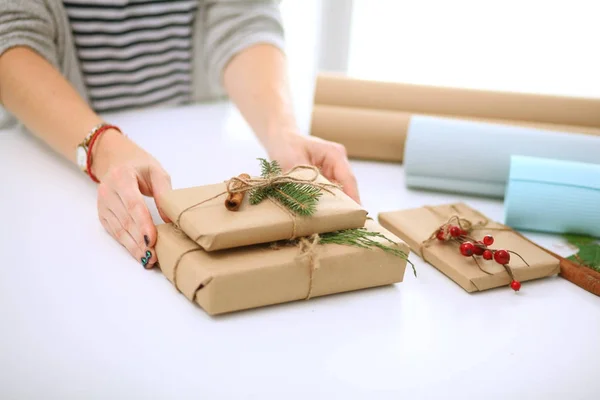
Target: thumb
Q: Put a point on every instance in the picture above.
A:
(160, 183)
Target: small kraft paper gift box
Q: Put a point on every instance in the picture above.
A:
(265, 274)
(249, 210)
(472, 250)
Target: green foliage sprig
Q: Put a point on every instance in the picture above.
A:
(299, 198)
(589, 251)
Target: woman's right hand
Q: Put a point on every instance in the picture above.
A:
(127, 173)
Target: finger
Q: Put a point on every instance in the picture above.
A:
(135, 221)
(127, 203)
(160, 183)
(123, 237)
(342, 172)
(114, 202)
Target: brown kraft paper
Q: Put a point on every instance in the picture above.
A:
(214, 227)
(381, 134)
(261, 275)
(414, 226)
(332, 89)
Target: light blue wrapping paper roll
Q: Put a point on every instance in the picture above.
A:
(474, 157)
(553, 196)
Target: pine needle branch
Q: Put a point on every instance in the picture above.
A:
(299, 198)
(361, 237)
(269, 169)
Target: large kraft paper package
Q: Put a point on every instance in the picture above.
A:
(416, 225)
(214, 227)
(260, 275)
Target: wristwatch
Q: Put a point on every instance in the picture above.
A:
(83, 147)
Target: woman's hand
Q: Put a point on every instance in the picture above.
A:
(127, 174)
(293, 149)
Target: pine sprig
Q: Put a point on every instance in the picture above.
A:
(299, 198)
(268, 169)
(363, 238)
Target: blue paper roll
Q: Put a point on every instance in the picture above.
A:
(474, 157)
(553, 196)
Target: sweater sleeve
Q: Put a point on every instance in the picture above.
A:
(232, 26)
(28, 23)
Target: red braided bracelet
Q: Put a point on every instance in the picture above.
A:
(93, 139)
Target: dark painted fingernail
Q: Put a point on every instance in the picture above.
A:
(144, 261)
(146, 240)
(148, 254)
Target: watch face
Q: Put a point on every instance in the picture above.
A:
(81, 158)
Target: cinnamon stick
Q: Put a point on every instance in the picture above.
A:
(584, 277)
(234, 200)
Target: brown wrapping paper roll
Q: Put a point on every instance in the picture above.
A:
(381, 134)
(368, 134)
(446, 101)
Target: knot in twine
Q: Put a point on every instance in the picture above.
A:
(462, 223)
(242, 184)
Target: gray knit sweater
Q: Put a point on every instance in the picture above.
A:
(221, 29)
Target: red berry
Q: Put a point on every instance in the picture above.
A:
(515, 285)
(467, 249)
(502, 257)
(440, 235)
(487, 254)
(478, 250)
(455, 231)
(488, 240)
(463, 232)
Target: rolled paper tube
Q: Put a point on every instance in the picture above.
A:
(366, 134)
(553, 196)
(474, 157)
(344, 91)
(234, 200)
(381, 134)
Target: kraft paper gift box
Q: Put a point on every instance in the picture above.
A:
(553, 196)
(474, 157)
(415, 226)
(260, 275)
(214, 227)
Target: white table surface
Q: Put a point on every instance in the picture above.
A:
(81, 319)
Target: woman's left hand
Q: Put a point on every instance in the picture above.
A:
(294, 149)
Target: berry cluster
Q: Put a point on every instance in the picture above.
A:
(470, 247)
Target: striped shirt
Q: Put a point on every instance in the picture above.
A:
(134, 53)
